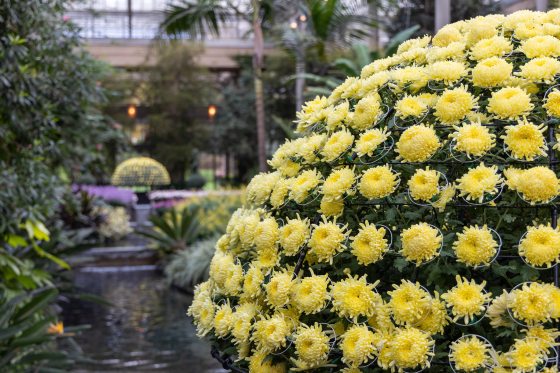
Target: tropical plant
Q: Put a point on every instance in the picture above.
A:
(173, 230)
(413, 225)
(189, 267)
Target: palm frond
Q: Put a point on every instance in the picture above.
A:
(196, 18)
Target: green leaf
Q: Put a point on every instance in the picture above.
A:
(40, 301)
(16, 240)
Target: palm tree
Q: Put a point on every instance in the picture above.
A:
(196, 18)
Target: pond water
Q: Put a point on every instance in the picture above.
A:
(145, 330)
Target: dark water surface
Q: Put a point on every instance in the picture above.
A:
(146, 330)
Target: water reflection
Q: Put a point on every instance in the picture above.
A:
(147, 330)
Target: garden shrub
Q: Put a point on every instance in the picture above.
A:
(409, 228)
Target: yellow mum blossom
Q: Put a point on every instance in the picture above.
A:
(354, 297)
(357, 346)
(369, 244)
(337, 115)
(446, 35)
(280, 192)
(381, 320)
(498, 311)
(495, 46)
(473, 139)
(310, 294)
(446, 195)
(475, 246)
(373, 82)
(538, 184)
(480, 28)
(447, 71)
(512, 20)
(223, 320)
(278, 289)
(479, 181)
(411, 44)
(338, 183)
(233, 281)
(552, 104)
(541, 246)
(430, 99)
(525, 140)
(312, 345)
(242, 322)
(417, 143)
(541, 69)
(545, 337)
(454, 105)
(202, 309)
(411, 349)
(414, 77)
(491, 72)
(282, 159)
(303, 184)
(368, 141)
(270, 333)
(378, 182)
(509, 103)
(554, 293)
(331, 207)
(410, 106)
(409, 303)
(541, 46)
(420, 243)
(219, 267)
(260, 187)
(268, 258)
(526, 355)
(293, 235)
(470, 354)
(308, 148)
(467, 299)
(351, 88)
(266, 234)
(309, 113)
(424, 184)
(327, 239)
(435, 319)
(453, 51)
(338, 143)
(531, 303)
(366, 112)
(528, 29)
(258, 364)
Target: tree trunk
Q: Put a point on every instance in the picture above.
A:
(258, 57)
(300, 79)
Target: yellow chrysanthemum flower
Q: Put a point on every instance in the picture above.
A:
(424, 184)
(541, 46)
(454, 105)
(417, 143)
(268, 258)
(266, 234)
(447, 194)
(357, 345)
(354, 297)
(338, 183)
(552, 104)
(337, 115)
(537, 184)
(541, 69)
(310, 294)
(473, 139)
(495, 46)
(223, 320)
(260, 187)
(303, 184)
(270, 333)
(233, 280)
(338, 143)
(467, 299)
(479, 181)
(280, 192)
(368, 141)
(282, 159)
(330, 207)
(491, 72)
(509, 103)
(411, 349)
(202, 309)
(453, 51)
(528, 29)
(447, 71)
(259, 364)
(446, 35)
(293, 235)
(475, 246)
(378, 182)
(554, 293)
(369, 244)
(498, 311)
(381, 320)
(308, 148)
(525, 140)
(410, 106)
(312, 345)
(531, 303)
(366, 112)
(480, 28)
(278, 289)
(526, 355)
(545, 337)
(413, 77)
(420, 243)
(470, 354)
(252, 281)
(541, 246)
(371, 83)
(409, 303)
(435, 319)
(327, 239)
(242, 322)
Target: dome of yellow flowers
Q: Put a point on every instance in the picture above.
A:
(140, 171)
(412, 225)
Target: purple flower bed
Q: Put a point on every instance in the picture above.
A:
(108, 193)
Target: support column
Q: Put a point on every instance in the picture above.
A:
(541, 5)
(442, 14)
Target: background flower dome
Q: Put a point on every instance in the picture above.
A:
(140, 171)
